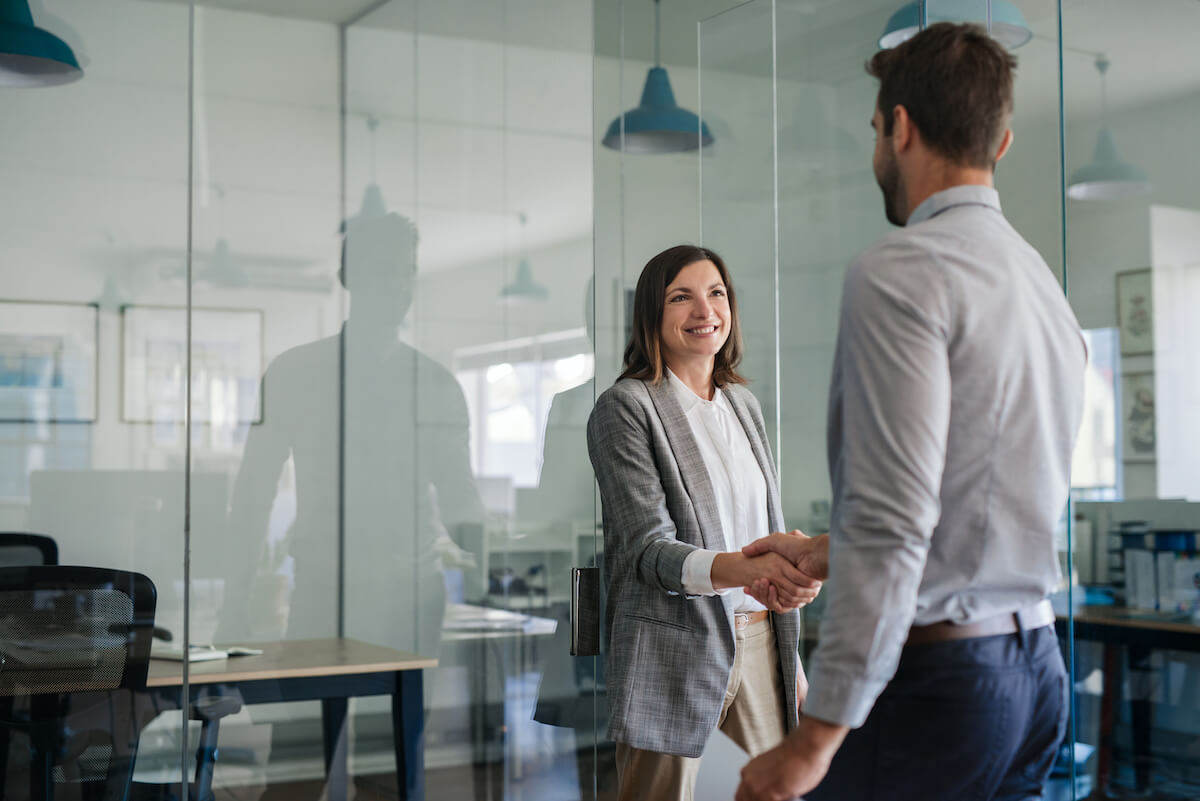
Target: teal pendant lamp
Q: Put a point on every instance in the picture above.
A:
(523, 288)
(1107, 176)
(31, 56)
(1007, 24)
(657, 125)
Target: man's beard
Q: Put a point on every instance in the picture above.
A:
(893, 190)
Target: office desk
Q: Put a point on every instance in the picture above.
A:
(1140, 632)
(330, 671)
(487, 628)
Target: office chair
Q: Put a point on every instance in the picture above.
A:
(74, 653)
(19, 549)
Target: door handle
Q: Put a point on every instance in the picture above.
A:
(585, 611)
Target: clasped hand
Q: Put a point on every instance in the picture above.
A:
(787, 569)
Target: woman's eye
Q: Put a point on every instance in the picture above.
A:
(677, 298)
(720, 293)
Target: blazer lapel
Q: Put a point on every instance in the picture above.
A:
(757, 444)
(691, 465)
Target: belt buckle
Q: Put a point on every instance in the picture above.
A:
(741, 620)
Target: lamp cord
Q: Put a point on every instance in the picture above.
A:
(657, 29)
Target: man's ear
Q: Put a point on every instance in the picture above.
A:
(903, 130)
(1005, 144)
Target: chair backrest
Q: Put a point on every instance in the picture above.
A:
(73, 629)
(18, 549)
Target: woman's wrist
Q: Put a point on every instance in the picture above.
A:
(730, 570)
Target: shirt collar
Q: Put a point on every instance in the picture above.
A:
(687, 399)
(964, 195)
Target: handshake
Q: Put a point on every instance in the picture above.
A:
(781, 571)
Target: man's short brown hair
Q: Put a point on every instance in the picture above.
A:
(956, 83)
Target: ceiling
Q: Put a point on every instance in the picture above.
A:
(817, 42)
(824, 41)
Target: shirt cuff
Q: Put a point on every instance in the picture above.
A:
(697, 572)
(836, 698)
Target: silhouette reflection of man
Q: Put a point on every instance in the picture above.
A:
(395, 422)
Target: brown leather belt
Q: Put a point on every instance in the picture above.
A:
(743, 619)
(1033, 616)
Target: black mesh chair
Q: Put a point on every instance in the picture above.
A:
(19, 549)
(74, 653)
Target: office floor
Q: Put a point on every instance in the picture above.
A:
(445, 783)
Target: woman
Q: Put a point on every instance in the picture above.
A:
(686, 479)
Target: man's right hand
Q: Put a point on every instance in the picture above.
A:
(792, 587)
(809, 554)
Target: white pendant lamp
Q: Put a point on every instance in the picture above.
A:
(1107, 176)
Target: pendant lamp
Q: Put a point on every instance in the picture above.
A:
(657, 125)
(31, 56)
(1107, 176)
(372, 206)
(1007, 23)
(523, 287)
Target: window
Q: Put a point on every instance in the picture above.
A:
(509, 388)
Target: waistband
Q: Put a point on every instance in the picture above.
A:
(1034, 616)
(742, 620)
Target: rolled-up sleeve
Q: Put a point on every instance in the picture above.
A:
(889, 419)
(639, 531)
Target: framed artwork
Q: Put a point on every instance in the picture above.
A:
(227, 365)
(1138, 431)
(1135, 312)
(48, 371)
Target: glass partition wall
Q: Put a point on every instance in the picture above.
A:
(391, 248)
(361, 234)
(1132, 248)
(1113, 225)
(94, 332)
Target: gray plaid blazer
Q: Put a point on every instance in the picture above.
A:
(669, 655)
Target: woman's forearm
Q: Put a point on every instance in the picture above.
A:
(732, 570)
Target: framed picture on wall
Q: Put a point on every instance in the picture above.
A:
(48, 371)
(1135, 312)
(227, 365)
(1138, 430)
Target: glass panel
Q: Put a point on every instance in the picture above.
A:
(467, 364)
(737, 186)
(829, 209)
(94, 239)
(1132, 257)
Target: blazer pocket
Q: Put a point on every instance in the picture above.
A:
(656, 621)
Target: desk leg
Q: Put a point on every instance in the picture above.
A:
(334, 737)
(1141, 715)
(408, 732)
(1108, 695)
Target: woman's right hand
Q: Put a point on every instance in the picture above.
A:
(792, 587)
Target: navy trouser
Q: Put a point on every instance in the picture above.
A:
(965, 720)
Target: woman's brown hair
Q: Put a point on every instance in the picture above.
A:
(643, 354)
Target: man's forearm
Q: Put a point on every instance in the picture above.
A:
(817, 738)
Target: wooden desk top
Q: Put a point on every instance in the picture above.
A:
(290, 659)
(1134, 619)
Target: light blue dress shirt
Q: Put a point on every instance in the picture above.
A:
(956, 397)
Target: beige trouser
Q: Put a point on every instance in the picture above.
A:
(752, 716)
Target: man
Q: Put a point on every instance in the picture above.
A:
(955, 399)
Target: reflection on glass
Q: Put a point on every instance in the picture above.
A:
(1131, 267)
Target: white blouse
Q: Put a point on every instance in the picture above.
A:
(739, 488)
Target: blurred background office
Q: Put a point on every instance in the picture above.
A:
(390, 246)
